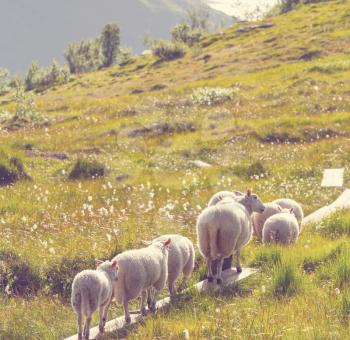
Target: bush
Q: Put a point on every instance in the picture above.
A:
(4, 80)
(166, 50)
(124, 56)
(42, 78)
(183, 33)
(213, 95)
(11, 169)
(84, 56)
(17, 277)
(286, 281)
(84, 169)
(110, 40)
(26, 112)
(59, 277)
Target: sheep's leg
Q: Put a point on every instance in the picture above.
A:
(87, 327)
(103, 316)
(144, 297)
(172, 290)
(183, 282)
(153, 304)
(220, 261)
(210, 273)
(80, 327)
(149, 297)
(126, 311)
(238, 254)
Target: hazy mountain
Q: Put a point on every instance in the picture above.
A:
(41, 29)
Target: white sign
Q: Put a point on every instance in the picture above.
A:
(333, 178)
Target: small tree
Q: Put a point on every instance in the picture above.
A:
(4, 80)
(84, 56)
(110, 40)
(32, 73)
(198, 18)
(185, 34)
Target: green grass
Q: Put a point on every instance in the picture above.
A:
(288, 121)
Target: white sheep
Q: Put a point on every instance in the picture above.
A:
(216, 198)
(281, 228)
(223, 229)
(140, 271)
(259, 219)
(287, 203)
(92, 289)
(180, 259)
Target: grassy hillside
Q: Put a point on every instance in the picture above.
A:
(289, 118)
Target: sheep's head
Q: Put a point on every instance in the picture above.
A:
(287, 211)
(253, 202)
(110, 267)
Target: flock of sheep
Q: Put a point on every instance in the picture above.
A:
(223, 229)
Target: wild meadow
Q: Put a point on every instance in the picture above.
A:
(268, 109)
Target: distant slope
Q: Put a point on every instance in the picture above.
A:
(41, 29)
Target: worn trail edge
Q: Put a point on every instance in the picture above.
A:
(230, 276)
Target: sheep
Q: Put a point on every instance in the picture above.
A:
(216, 198)
(92, 289)
(287, 203)
(258, 219)
(281, 228)
(139, 271)
(224, 228)
(180, 259)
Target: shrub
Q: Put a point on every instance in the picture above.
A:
(59, 277)
(84, 56)
(166, 50)
(110, 40)
(124, 55)
(26, 112)
(251, 171)
(183, 33)
(84, 169)
(335, 226)
(286, 281)
(42, 78)
(213, 95)
(11, 169)
(17, 277)
(4, 80)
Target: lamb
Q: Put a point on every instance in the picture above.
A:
(287, 203)
(180, 259)
(216, 198)
(281, 228)
(258, 219)
(140, 271)
(92, 289)
(224, 229)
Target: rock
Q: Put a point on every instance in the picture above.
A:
(252, 28)
(122, 177)
(201, 164)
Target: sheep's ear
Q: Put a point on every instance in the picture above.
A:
(249, 192)
(167, 242)
(292, 210)
(114, 263)
(98, 262)
(146, 243)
